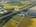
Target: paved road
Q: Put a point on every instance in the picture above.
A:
(12, 14)
(33, 8)
(27, 7)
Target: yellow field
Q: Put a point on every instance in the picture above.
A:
(11, 6)
(28, 23)
(33, 23)
(10, 24)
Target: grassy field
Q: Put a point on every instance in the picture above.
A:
(26, 22)
(11, 6)
(33, 23)
(12, 23)
(8, 6)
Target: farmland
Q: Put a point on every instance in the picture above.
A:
(26, 22)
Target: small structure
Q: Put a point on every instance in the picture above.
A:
(17, 9)
(21, 14)
(2, 10)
